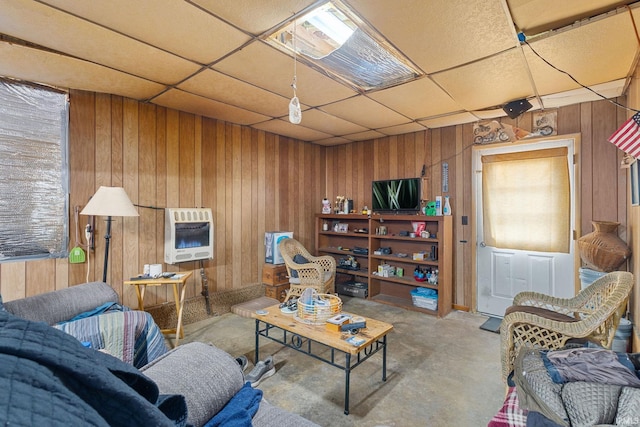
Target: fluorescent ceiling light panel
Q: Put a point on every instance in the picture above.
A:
(331, 37)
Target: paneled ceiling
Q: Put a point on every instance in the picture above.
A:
(208, 57)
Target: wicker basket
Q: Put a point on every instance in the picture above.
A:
(602, 249)
(318, 313)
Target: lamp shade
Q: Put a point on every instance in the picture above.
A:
(110, 201)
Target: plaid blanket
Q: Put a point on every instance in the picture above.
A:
(510, 415)
(132, 336)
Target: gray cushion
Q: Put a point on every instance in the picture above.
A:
(205, 375)
(63, 304)
(296, 280)
(298, 259)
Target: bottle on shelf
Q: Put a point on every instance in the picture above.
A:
(447, 207)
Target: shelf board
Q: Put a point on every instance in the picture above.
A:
(359, 273)
(401, 302)
(348, 233)
(409, 260)
(407, 238)
(337, 251)
(406, 280)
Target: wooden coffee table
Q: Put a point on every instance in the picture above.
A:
(313, 340)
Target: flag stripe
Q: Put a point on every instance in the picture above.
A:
(627, 137)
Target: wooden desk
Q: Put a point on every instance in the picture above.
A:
(178, 281)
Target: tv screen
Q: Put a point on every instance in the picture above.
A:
(396, 195)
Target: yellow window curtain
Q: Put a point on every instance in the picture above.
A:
(525, 200)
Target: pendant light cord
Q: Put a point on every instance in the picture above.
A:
(295, 60)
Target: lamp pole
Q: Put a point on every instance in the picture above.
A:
(107, 238)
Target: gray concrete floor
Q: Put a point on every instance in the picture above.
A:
(440, 372)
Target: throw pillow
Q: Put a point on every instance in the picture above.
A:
(298, 259)
(542, 312)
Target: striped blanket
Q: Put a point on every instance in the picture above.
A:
(132, 336)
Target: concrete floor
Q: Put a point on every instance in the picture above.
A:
(440, 372)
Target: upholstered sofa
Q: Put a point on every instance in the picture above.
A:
(210, 380)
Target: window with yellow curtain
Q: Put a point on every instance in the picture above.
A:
(525, 200)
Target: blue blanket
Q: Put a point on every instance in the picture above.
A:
(48, 378)
(239, 411)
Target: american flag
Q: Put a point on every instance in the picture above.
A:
(627, 138)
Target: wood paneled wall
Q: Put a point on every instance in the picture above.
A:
(603, 189)
(253, 181)
(256, 181)
(634, 228)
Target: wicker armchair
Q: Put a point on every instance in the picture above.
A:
(318, 273)
(541, 321)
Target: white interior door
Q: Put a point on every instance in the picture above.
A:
(502, 273)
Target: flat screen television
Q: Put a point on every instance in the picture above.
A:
(396, 195)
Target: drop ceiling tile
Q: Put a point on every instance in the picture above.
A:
(268, 68)
(607, 90)
(363, 136)
(365, 112)
(63, 72)
(611, 54)
(321, 121)
(214, 85)
(190, 103)
(253, 16)
(450, 120)
(492, 81)
(400, 129)
(45, 26)
(336, 140)
(496, 113)
(437, 34)
(282, 127)
(528, 17)
(489, 114)
(417, 99)
(208, 37)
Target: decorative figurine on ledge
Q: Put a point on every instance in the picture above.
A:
(326, 206)
(339, 206)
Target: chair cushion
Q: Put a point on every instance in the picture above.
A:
(298, 259)
(542, 312)
(296, 280)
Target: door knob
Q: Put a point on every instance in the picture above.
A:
(483, 244)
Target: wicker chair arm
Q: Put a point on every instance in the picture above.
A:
(536, 299)
(309, 273)
(520, 329)
(577, 329)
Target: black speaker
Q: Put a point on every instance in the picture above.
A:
(515, 108)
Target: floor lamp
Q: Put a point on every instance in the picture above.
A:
(109, 202)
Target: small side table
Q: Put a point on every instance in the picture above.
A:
(178, 281)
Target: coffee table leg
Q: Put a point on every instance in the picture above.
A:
(347, 373)
(384, 358)
(257, 341)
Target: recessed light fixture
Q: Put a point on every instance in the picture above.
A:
(333, 38)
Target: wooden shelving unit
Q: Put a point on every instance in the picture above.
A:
(361, 231)
(340, 244)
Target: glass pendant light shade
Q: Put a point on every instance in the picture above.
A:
(295, 113)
